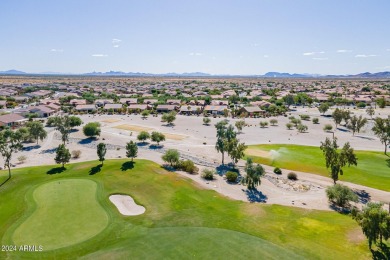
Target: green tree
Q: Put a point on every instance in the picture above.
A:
(101, 152)
(171, 156)
(62, 125)
(92, 129)
(36, 130)
(75, 121)
(356, 123)
(288, 100)
(240, 125)
(336, 160)
(370, 111)
(289, 126)
(341, 195)
(10, 143)
(143, 136)
(220, 145)
(253, 174)
(157, 137)
(374, 221)
(381, 129)
(169, 117)
(323, 108)
(62, 155)
(145, 114)
(131, 150)
(263, 124)
(337, 116)
(236, 150)
(381, 102)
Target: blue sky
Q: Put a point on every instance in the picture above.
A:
(218, 37)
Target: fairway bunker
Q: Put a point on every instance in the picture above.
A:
(126, 205)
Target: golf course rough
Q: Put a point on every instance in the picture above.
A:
(66, 213)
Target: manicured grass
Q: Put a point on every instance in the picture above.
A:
(181, 220)
(372, 170)
(61, 209)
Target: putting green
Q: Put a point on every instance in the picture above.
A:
(66, 213)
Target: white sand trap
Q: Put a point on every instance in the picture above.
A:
(126, 205)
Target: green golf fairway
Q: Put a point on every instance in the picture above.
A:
(66, 213)
(372, 169)
(70, 214)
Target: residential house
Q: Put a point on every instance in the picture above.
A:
(215, 109)
(12, 120)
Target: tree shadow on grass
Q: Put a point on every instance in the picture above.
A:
(255, 195)
(383, 252)
(127, 165)
(388, 162)
(95, 169)
(342, 210)
(56, 170)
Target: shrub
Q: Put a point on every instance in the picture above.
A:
(231, 176)
(22, 158)
(289, 126)
(292, 176)
(315, 120)
(76, 154)
(305, 117)
(208, 174)
(302, 128)
(361, 105)
(277, 170)
(263, 124)
(206, 120)
(341, 195)
(328, 127)
(273, 122)
(187, 166)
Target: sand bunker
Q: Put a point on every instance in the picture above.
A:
(126, 205)
(258, 152)
(133, 128)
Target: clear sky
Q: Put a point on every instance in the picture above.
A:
(212, 36)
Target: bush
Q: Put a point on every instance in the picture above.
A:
(305, 117)
(273, 122)
(302, 128)
(328, 127)
(277, 170)
(22, 158)
(206, 120)
(187, 166)
(231, 176)
(341, 195)
(289, 126)
(292, 176)
(208, 174)
(361, 105)
(76, 154)
(263, 124)
(315, 120)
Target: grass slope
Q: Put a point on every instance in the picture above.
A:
(61, 209)
(181, 220)
(372, 169)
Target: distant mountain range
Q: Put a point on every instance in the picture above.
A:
(384, 74)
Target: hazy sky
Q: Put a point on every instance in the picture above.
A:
(218, 37)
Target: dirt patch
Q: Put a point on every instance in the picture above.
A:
(258, 153)
(356, 236)
(135, 128)
(252, 209)
(110, 120)
(174, 136)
